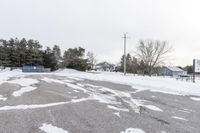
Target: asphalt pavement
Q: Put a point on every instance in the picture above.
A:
(85, 106)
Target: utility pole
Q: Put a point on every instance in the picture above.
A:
(194, 63)
(125, 37)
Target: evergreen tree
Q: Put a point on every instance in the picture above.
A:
(57, 54)
(73, 58)
(131, 64)
(189, 69)
(49, 59)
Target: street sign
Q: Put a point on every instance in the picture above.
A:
(196, 65)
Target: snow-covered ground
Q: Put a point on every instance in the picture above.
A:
(157, 84)
(74, 89)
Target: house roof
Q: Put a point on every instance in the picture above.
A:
(105, 64)
(175, 69)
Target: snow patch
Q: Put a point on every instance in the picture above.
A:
(76, 87)
(75, 78)
(104, 98)
(195, 98)
(3, 98)
(24, 81)
(23, 90)
(49, 80)
(76, 91)
(117, 109)
(117, 114)
(93, 86)
(35, 106)
(156, 84)
(134, 104)
(184, 111)
(66, 80)
(48, 128)
(179, 118)
(133, 130)
(152, 107)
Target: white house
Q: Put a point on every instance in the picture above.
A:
(105, 66)
(172, 71)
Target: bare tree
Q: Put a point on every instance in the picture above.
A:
(91, 59)
(152, 53)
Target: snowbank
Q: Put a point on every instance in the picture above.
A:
(157, 84)
(6, 74)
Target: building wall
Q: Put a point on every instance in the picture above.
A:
(167, 72)
(33, 69)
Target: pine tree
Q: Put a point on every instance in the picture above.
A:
(57, 54)
(49, 59)
(73, 58)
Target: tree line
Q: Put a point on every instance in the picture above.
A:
(19, 52)
(149, 56)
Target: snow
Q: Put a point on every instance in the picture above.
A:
(184, 111)
(70, 81)
(102, 94)
(195, 98)
(78, 79)
(36, 106)
(179, 118)
(24, 81)
(49, 80)
(3, 98)
(76, 91)
(108, 96)
(117, 114)
(141, 83)
(5, 75)
(76, 87)
(152, 107)
(93, 86)
(48, 128)
(104, 98)
(117, 109)
(133, 130)
(23, 90)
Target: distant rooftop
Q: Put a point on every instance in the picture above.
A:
(175, 69)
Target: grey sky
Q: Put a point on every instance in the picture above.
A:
(98, 25)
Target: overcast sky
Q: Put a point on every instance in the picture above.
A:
(98, 25)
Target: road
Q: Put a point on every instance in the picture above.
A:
(73, 105)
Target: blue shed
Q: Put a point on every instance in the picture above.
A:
(33, 68)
